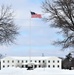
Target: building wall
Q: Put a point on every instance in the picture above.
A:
(7, 62)
(54, 63)
(37, 62)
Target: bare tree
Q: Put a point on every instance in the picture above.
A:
(8, 29)
(62, 17)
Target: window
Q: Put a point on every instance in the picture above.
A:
(35, 66)
(12, 61)
(58, 61)
(7, 65)
(39, 61)
(26, 61)
(48, 61)
(18, 61)
(43, 61)
(3, 66)
(35, 61)
(48, 65)
(26, 66)
(22, 61)
(39, 65)
(53, 66)
(3, 61)
(22, 66)
(8, 61)
(57, 65)
(53, 61)
(30, 60)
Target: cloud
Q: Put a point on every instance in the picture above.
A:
(41, 34)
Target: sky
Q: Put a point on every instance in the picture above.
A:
(31, 29)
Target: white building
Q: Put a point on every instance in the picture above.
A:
(35, 62)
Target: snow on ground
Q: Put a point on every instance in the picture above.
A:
(38, 71)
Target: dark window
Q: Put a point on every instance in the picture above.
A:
(53, 65)
(35, 61)
(3, 61)
(18, 61)
(53, 61)
(12, 61)
(8, 61)
(7, 65)
(48, 61)
(30, 60)
(3, 66)
(22, 66)
(22, 61)
(43, 61)
(26, 61)
(26, 66)
(58, 61)
(39, 65)
(39, 61)
(57, 65)
(48, 65)
(35, 66)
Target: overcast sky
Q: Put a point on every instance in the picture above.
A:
(41, 36)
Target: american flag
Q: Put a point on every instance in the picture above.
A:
(35, 15)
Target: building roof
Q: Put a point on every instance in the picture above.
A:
(32, 58)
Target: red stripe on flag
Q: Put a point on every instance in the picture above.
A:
(36, 16)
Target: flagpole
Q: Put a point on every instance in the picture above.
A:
(32, 15)
(30, 40)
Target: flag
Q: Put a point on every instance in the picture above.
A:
(35, 15)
